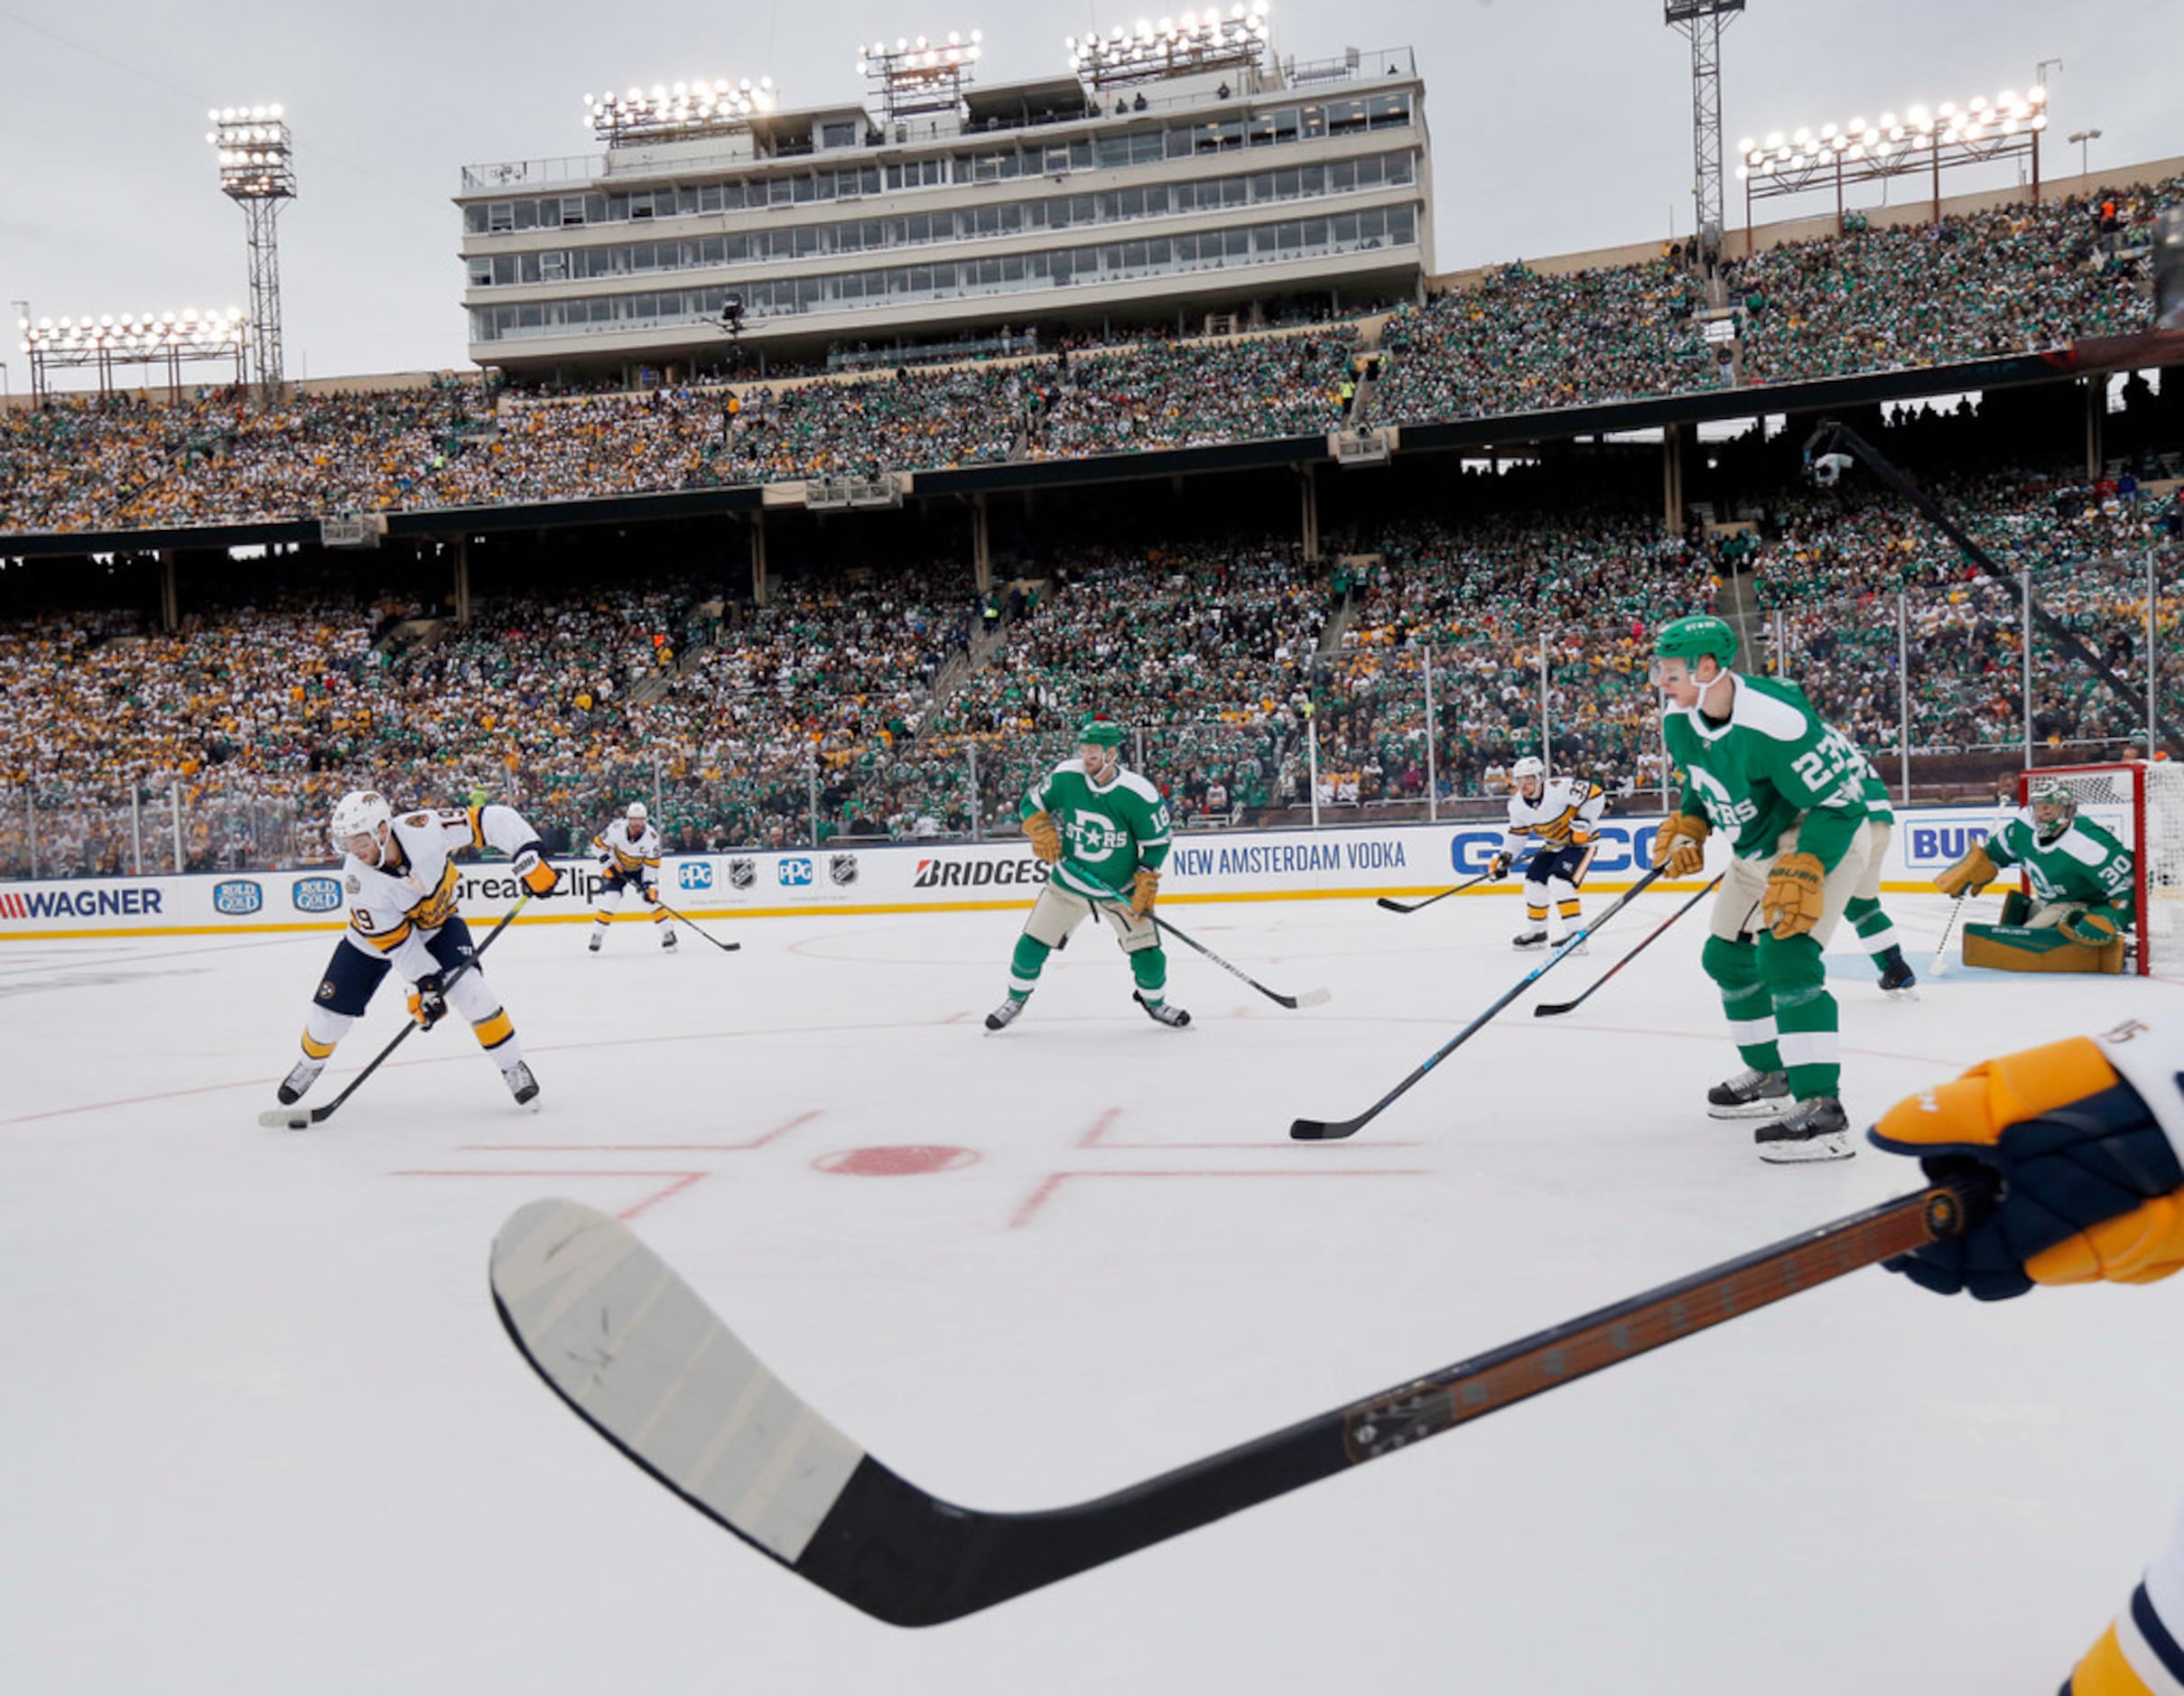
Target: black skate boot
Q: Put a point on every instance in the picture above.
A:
(296, 1083)
(1174, 1018)
(521, 1083)
(1811, 1130)
(1531, 937)
(1005, 1015)
(1750, 1094)
(1897, 978)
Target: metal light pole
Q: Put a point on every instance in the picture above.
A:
(2085, 138)
(257, 172)
(1703, 20)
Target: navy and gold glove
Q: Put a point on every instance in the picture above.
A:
(2083, 1135)
(535, 870)
(429, 1000)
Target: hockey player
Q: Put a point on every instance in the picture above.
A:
(1760, 767)
(1863, 909)
(2086, 1136)
(403, 885)
(1105, 832)
(2082, 877)
(1557, 819)
(629, 854)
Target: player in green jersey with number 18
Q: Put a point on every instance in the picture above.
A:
(1789, 792)
(1105, 832)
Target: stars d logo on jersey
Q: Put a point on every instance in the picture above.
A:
(1724, 809)
(1093, 837)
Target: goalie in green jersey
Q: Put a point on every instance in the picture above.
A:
(1789, 792)
(1104, 832)
(2083, 879)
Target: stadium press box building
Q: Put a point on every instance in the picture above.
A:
(1187, 180)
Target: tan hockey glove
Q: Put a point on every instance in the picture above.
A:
(1969, 875)
(1144, 888)
(1680, 848)
(1795, 895)
(1045, 838)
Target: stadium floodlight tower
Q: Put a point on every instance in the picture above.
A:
(258, 173)
(920, 76)
(1703, 20)
(1205, 40)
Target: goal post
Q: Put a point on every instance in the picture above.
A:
(2141, 804)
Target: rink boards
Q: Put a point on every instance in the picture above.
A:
(1337, 862)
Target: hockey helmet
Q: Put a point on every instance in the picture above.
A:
(2053, 806)
(1529, 767)
(637, 814)
(1693, 639)
(359, 813)
(1100, 733)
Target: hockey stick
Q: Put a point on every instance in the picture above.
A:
(1940, 965)
(304, 1118)
(1419, 906)
(725, 948)
(1321, 1131)
(1310, 998)
(1548, 1010)
(641, 1359)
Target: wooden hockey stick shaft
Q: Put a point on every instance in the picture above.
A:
(636, 1355)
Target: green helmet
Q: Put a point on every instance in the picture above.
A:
(2062, 803)
(1100, 734)
(1688, 638)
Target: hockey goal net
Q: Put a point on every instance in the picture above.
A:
(2142, 806)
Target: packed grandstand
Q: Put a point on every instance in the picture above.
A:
(1430, 626)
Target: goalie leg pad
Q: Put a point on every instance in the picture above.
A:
(2021, 948)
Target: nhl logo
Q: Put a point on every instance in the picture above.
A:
(742, 873)
(841, 869)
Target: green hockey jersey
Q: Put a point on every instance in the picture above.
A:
(2084, 863)
(1107, 832)
(1773, 767)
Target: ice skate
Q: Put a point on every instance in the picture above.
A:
(1750, 1094)
(294, 1085)
(1530, 936)
(668, 942)
(1174, 1018)
(1005, 1015)
(1897, 978)
(1812, 1131)
(597, 938)
(521, 1083)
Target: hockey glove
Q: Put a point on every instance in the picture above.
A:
(2095, 927)
(1680, 847)
(1498, 867)
(1795, 892)
(429, 1000)
(1045, 838)
(652, 894)
(1969, 875)
(1145, 888)
(2084, 1135)
(537, 873)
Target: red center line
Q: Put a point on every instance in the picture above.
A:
(1053, 1181)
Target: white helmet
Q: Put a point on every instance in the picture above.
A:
(1529, 767)
(636, 814)
(359, 813)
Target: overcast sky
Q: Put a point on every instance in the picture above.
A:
(1557, 124)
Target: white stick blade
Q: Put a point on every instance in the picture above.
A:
(286, 1119)
(1314, 998)
(635, 1351)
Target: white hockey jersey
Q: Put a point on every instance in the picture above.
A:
(395, 908)
(1567, 812)
(633, 856)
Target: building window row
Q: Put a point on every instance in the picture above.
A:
(898, 287)
(1012, 218)
(1030, 158)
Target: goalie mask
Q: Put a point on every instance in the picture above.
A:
(2053, 807)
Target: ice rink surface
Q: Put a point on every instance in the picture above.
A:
(264, 1434)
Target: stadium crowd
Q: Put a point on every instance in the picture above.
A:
(2014, 278)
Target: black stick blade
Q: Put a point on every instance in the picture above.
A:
(1548, 1009)
(1394, 907)
(1320, 1131)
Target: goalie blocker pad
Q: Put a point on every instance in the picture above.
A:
(2019, 948)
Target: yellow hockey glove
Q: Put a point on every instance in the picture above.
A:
(1145, 888)
(2091, 1186)
(1680, 847)
(1969, 875)
(1045, 838)
(1795, 895)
